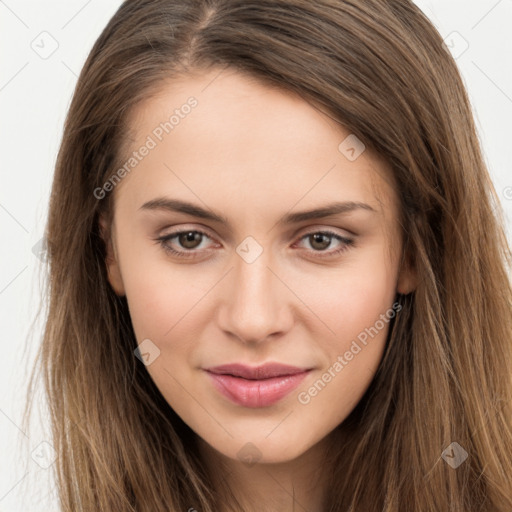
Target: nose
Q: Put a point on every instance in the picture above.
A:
(256, 303)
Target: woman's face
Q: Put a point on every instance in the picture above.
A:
(264, 273)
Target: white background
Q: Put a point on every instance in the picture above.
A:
(34, 96)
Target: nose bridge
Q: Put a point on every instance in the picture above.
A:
(255, 306)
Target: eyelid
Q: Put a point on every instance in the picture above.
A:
(320, 228)
(176, 230)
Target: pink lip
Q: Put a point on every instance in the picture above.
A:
(259, 386)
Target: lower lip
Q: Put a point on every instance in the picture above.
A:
(256, 393)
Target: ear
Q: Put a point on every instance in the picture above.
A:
(114, 272)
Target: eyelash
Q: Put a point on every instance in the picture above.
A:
(163, 241)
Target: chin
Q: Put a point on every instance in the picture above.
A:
(261, 448)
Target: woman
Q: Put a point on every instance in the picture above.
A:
(278, 270)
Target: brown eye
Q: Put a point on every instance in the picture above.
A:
(185, 244)
(320, 241)
(190, 239)
(326, 244)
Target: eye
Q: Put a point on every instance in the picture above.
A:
(322, 240)
(188, 240)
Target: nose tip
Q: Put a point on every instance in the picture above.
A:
(251, 340)
(255, 305)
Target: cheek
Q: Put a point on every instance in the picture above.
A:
(159, 294)
(357, 305)
(349, 299)
(161, 303)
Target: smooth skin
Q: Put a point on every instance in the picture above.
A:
(253, 154)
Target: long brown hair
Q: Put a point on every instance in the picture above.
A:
(379, 68)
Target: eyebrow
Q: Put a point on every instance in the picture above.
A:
(176, 205)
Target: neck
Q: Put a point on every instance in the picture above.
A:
(289, 486)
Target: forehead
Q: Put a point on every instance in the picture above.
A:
(221, 134)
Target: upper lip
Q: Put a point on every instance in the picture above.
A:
(264, 371)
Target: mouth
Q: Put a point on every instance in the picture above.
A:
(259, 386)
